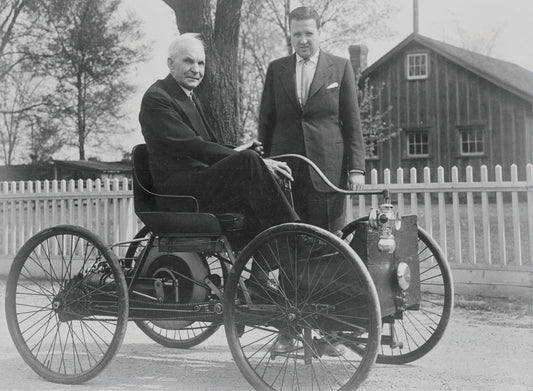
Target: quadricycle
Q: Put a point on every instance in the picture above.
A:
(382, 289)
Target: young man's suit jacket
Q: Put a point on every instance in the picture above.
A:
(327, 129)
(178, 138)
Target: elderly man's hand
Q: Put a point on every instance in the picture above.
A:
(257, 146)
(279, 169)
(356, 181)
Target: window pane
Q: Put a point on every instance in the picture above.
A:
(417, 65)
(471, 141)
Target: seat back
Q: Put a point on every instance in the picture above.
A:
(143, 200)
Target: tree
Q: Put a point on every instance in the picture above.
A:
(219, 27)
(376, 125)
(20, 98)
(87, 52)
(10, 13)
(482, 43)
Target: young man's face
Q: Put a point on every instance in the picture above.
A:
(304, 37)
(187, 66)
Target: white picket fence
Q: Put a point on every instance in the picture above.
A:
(476, 223)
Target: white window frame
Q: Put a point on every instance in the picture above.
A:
(471, 131)
(416, 143)
(408, 66)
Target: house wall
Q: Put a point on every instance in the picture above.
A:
(451, 96)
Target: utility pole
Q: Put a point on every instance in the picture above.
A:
(415, 16)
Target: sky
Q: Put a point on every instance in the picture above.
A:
(438, 19)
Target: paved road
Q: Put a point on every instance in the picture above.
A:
(481, 351)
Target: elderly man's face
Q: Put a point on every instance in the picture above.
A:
(187, 66)
(304, 37)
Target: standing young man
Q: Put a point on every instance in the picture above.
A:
(309, 107)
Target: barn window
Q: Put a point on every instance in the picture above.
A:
(417, 143)
(472, 140)
(417, 66)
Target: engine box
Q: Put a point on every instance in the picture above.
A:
(383, 266)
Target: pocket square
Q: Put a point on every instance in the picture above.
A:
(332, 85)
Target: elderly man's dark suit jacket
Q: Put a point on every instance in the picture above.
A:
(179, 141)
(327, 130)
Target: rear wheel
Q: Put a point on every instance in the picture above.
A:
(302, 286)
(420, 330)
(66, 304)
(176, 334)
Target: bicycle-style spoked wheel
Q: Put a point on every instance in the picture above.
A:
(175, 333)
(66, 304)
(301, 311)
(421, 329)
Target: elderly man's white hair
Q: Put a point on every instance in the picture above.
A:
(184, 39)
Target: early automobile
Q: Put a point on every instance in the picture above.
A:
(382, 290)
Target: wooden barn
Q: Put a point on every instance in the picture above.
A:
(454, 107)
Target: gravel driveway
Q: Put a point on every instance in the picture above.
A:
(482, 350)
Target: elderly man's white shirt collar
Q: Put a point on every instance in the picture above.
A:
(313, 58)
(187, 92)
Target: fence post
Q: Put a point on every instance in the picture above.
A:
(517, 244)
(442, 213)
(499, 215)
(107, 186)
(116, 217)
(401, 201)
(81, 223)
(46, 209)
(456, 218)
(414, 200)
(54, 202)
(471, 218)
(5, 220)
(485, 216)
(29, 211)
(374, 181)
(427, 203)
(20, 223)
(62, 204)
(529, 177)
(71, 212)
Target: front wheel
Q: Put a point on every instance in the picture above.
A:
(301, 311)
(66, 304)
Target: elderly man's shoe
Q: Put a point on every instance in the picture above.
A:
(283, 344)
(331, 349)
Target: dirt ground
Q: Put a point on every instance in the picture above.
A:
(488, 346)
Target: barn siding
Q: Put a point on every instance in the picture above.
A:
(450, 97)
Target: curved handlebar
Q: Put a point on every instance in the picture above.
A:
(384, 192)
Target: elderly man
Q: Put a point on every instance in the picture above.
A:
(309, 107)
(185, 156)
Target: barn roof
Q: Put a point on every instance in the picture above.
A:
(506, 75)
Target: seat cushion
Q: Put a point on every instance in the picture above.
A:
(191, 222)
(181, 223)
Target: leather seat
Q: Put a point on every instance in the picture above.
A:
(163, 213)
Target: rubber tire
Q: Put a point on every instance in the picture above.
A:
(20, 261)
(232, 289)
